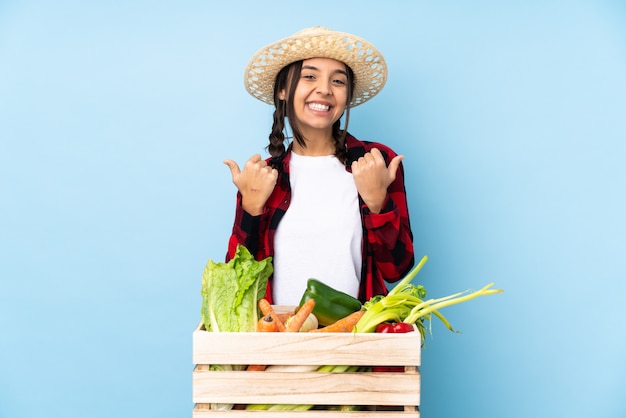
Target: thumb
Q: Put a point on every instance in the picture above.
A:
(394, 164)
(234, 168)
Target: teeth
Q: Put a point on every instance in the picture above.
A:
(317, 106)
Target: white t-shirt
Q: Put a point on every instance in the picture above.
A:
(320, 234)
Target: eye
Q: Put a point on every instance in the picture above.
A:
(308, 76)
(339, 81)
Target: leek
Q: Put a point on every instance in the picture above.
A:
(405, 303)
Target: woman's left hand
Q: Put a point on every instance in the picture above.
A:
(372, 177)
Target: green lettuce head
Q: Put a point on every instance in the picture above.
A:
(231, 292)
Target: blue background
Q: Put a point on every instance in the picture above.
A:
(114, 121)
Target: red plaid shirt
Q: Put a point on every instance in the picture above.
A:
(387, 237)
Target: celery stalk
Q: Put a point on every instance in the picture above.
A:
(404, 303)
(434, 305)
(409, 277)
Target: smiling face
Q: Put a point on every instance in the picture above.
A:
(320, 96)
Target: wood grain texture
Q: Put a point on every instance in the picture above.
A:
(398, 392)
(365, 349)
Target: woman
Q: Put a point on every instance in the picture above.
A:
(327, 206)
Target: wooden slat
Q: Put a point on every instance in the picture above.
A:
(306, 348)
(201, 412)
(306, 388)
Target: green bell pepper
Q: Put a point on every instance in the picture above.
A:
(330, 304)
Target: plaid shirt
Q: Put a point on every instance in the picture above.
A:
(387, 237)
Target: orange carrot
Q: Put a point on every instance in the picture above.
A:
(266, 324)
(295, 322)
(284, 316)
(345, 324)
(267, 309)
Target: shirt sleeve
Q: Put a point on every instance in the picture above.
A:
(389, 235)
(246, 231)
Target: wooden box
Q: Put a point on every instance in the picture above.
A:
(381, 394)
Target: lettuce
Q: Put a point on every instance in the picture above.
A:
(231, 291)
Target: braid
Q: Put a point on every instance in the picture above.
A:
(340, 143)
(276, 147)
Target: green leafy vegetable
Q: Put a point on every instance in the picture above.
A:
(231, 291)
(405, 303)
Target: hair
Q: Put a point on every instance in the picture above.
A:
(287, 80)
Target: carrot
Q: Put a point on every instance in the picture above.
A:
(295, 322)
(267, 309)
(284, 316)
(266, 324)
(345, 324)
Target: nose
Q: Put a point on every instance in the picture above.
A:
(324, 89)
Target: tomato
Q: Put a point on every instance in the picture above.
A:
(385, 328)
(394, 328)
(402, 327)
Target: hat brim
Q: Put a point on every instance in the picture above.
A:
(367, 63)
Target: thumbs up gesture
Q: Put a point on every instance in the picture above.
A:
(372, 177)
(255, 182)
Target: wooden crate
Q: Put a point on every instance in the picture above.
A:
(382, 394)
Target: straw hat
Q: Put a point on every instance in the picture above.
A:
(368, 65)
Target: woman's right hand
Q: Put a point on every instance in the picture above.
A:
(255, 183)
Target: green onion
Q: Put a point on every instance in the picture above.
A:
(404, 303)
